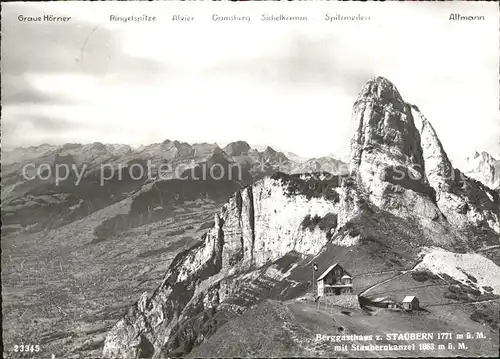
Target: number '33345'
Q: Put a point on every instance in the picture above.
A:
(26, 348)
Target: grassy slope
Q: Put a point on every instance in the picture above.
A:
(443, 297)
(287, 329)
(267, 330)
(386, 247)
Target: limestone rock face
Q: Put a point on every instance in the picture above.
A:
(386, 153)
(401, 166)
(258, 224)
(464, 201)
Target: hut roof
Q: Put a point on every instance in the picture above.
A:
(325, 273)
(409, 299)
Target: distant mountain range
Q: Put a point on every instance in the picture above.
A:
(483, 167)
(98, 153)
(37, 204)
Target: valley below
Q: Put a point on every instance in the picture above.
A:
(63, 290)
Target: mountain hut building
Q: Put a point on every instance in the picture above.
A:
(334, 281)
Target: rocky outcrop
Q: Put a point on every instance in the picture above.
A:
(464, 201)
(484, 168)
(401, 166)
(386, 153)
(258, 224)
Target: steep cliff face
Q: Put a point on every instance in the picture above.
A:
(386, 153)
(258, 224)
(401, 166)
(464, 201)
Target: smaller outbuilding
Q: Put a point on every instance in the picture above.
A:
(410, 302)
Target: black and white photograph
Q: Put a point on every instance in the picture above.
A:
(250, 179)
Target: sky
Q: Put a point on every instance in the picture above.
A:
(287, 85)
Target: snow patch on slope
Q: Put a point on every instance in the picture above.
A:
(440, 261)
